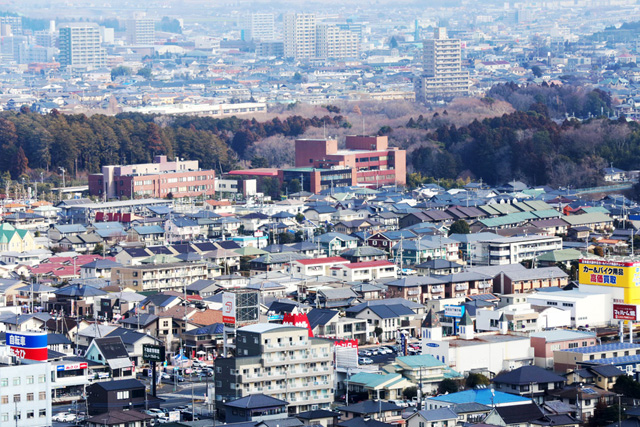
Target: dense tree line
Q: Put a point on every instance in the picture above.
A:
(560, 100)
(51, 141)
(531, 147)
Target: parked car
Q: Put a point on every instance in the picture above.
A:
(165, 376)
(400, 403)
(156, 413)
(188, 416)
(365, 361)
(364, 353)
(64, 417)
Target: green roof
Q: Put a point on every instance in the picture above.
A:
(561, 255)
(509, 219)
(160, 259)
(420, 361)
(375, 380)
(249, 251)
(547, 213)
(594, 209)
(587, 218)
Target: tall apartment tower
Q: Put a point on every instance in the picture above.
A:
(141, 31)
(259, 27)
(80, 46)
(279, 361)
(299, 35)
(443, 76)
(332, 42)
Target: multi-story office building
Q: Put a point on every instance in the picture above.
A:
(336, 43)
(375, 163)
(443, 76)
(80, 45)
(299, 35)
(13, 23)
(279, 361)
(25, 393)
(141, 31)
(259, 27)
(180, 178)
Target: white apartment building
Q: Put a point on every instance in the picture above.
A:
(443, 75)
(299, 35)
(335, 43)
(512, 250)
(365, 271)
(259, 27)
(80, 45)
(25, 392)
(280, 361)
(141, 31)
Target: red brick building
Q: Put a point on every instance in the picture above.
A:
(374, 162)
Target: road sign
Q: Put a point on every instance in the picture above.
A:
(153, 353)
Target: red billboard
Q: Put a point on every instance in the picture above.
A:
(625, 312)
(299, 320)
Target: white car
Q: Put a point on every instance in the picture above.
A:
(64, 417)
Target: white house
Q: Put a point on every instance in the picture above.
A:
(316, 266)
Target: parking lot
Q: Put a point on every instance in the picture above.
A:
(378, 358)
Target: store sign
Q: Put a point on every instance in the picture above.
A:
(28, 345)
(347, 344)
(153, 353)
(229, 307)
(72, 367)
(625, 312)
(456, 311)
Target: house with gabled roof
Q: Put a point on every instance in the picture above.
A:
(389, 317)
(386, 386)
(112, 353)
(329, 323)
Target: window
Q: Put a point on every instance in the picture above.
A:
(30, 397)
(122, 395)
(16, 380)
(30, 414)
(5, 399)
(42, 379)
(4, 382)
(42, 395)
(42, 413)
(16, 398)
(5, 417)
(30, 379)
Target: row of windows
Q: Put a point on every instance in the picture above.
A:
(42, 395)
(4, 382)
(30, 414)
